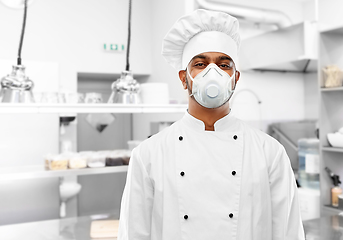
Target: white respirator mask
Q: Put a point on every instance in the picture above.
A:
(212, 87)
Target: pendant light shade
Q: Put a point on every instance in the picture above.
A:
(125, 90)
(16, 87)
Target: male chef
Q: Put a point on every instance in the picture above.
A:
(209, 176)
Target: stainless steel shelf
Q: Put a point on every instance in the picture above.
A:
(334, 89)
(338, 29)
(332, 209)
(91, 108)
(332, 149)
(39, 171)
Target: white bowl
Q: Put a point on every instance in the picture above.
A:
(335, 139)
(69, 190)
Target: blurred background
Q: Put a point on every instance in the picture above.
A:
(64, 153)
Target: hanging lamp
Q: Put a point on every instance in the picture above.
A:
(17, 87)
(126, 89)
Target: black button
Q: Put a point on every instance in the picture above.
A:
(231, 215)
(185, 217)
(180, 138)
(182, 173)
(235, 137)
(233, 173)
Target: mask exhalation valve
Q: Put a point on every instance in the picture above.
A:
(212, 91)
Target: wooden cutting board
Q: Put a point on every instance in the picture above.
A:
(104, 229)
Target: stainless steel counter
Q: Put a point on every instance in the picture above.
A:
(325, 228)
(58, 229)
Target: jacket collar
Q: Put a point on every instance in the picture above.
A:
(227, 123)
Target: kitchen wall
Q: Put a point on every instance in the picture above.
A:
(281, 96)
(332, 19)
(311, 96)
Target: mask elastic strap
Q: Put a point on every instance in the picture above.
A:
(192, 94)
(190, 75)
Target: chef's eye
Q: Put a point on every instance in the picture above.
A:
(225, 66)
(199, 64)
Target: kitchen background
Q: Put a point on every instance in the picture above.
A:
(63, 51)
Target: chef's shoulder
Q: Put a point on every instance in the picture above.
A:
(271, 148)
(157, 144)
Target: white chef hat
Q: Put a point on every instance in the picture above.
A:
(199, 32)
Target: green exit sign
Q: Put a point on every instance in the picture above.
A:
(114, 47)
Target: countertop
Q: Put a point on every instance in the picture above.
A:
(78, 228)
(324, 228)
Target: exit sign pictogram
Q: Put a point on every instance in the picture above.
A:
(114, 47)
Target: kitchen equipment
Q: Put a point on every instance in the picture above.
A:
(100, 121)
(61, 97)
(309, 201)
(332, 76)
(308, 171)
(118, 157)
(50, 97)
(93, 97)
(67, 191)
(335, 139)
(73, 97)
(335, 190)
(104, 229)
(77, 161)
(96, 159)
(16, 87)
(57, 162)
(126, 89)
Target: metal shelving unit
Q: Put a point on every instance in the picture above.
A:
(91, 108)
(331, 89)
(331, 99)
(332, 149)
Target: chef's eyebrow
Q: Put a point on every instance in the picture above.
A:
(199, 56)
(224, 58)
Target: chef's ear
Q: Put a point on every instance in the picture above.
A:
(238, 74)
(182, 76)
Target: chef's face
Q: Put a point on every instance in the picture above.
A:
(201, 61)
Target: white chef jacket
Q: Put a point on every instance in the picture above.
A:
(186, 183)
